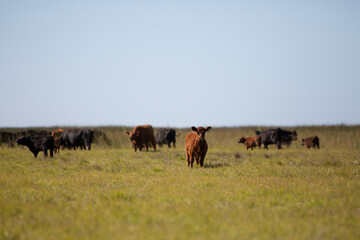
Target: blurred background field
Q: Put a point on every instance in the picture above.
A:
(331, 137)
(111, 192)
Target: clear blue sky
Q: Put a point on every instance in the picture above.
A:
(179, 63)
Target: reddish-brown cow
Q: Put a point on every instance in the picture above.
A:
(57, 132)
(311, 142)
(196, 146)
(142, 136)
(56, 144)
(251, 142)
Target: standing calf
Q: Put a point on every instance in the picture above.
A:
(38, 144)
(251, 142)
(311, 142)
(141, 136)
(196, 146)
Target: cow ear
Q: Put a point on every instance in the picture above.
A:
(127, 133)
(208, 128)
(295, 132)
(194, 128)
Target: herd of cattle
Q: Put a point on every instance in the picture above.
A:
(143, 137)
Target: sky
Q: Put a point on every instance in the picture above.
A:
(179, 63)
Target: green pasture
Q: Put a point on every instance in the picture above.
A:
(111, 192)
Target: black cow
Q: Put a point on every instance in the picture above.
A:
(87, 136)
(74, 138)
(166, 136)
(285, 142)
(37, 144)
(276, 136)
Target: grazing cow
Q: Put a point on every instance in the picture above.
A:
(196, 146)
(251, 142)
(37, 144)
(284, 141)
(57, 132)
(311, 142)
(276, 136)
(166, 136)
(74, 138)
(141, 136)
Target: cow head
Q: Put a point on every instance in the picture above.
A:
(242, 140)
(303, 142)
(133, 135)
(293, 135)
(200, 131)
(257, 132)
(24, 141)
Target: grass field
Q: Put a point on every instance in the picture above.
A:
(112, 192)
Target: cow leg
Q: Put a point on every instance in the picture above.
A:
(197, 160)
(202, 161)
(45, 152)
(51, 152)
(191, 160)
(188, 159)
(135, 148)
(174, 143)
(279, 145)
(168, 143)
(147, 146)
(266, 147)
(35, 153)
(154, 145)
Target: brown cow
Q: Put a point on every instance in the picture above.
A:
(196, 146)
(57, 132)
(251, 142)
(142, 136)
(56, 145)
(311, 142)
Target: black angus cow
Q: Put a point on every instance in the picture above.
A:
(285, 142)
(37, 144)
(166, 136)
(87, 137)
(276, 136)
(74, 138)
